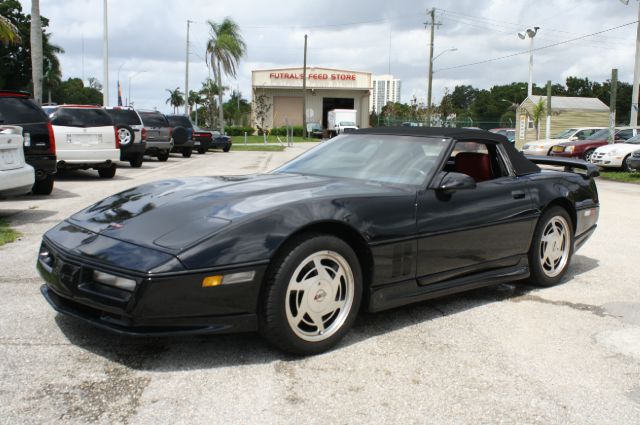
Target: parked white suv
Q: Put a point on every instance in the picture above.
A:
(16, 176)
(543, 146)
(85, 138)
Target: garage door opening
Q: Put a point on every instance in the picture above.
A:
(331, 103)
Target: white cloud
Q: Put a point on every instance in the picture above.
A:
(149, 35)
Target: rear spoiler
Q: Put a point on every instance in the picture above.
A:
(570, 165)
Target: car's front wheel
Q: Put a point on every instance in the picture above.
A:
(588, 154)
(552, 247)
(312, 295)
(626, 164)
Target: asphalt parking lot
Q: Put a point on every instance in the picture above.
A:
(505, 354)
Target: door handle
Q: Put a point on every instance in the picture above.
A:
(518, 194)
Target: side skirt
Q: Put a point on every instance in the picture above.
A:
(409, 291)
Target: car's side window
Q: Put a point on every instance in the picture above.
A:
(582, 135)
(624, 134)
(482, 161)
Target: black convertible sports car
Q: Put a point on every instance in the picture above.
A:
(373, 219)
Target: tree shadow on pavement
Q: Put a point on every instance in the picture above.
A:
(19, 217)
(179, 353)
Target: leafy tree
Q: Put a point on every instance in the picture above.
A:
(261, 108)
(237, 109)
(15, 58)
(225, 47)
(9, 33)
(209, 91)
(73, 91)
(175, 99)
(538, 112)
(462, 97)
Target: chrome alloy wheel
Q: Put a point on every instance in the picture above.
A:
(319, 296)
(554, 246)
(124, 135)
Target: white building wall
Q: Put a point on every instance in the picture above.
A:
(385, 89)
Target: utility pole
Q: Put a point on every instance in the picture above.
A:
(304, 90)
(636, 77)
(432, 13)
(186, 75)
(548, 129)
(612, 105)
(105, 57)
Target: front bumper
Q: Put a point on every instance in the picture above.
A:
(161, 303)
(566, 154)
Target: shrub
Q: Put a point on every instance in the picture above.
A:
(239, 130)
(282, 131)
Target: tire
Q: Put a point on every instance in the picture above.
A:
(588, 154)
(136, 160)
(44, 186)
(163, 156)
(201, 151)
(125, 134)
(292, 321)
(626, 166)
(180, 135)
(227, 149)
(107, 172)
(186, 152)
(546, 264)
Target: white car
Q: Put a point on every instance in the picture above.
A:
(543, 146)
(85, 138)
(616, 155)
(16, 176)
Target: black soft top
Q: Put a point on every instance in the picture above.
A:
(521, 165)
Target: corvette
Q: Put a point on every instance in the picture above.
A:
(370, 220)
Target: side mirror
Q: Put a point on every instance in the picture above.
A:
(452, 182)
(573, 138)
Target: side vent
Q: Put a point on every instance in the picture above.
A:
(402, 260)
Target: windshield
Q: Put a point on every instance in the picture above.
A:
(565, 134)
(372, 157)
(18, 110)
(81, 117)
(634, 140)
(153, 119)
(177, 121)
(599, 135)
(124, 116)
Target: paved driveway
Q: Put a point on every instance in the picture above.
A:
(506, 354)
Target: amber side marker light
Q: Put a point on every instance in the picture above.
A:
(210, 281)
(229, 279)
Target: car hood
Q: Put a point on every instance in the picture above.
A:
(620, 147)
(173, 215)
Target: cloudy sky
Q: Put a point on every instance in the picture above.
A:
(147, 40)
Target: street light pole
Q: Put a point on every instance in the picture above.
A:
(186, 75)
(636, 77)
(432, 12)
(105, 57)
(529, 33)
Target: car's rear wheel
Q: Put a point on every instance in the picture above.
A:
(186, 152)
(136, 160)
(201, 151)
(107, 172)
(163, 156)
(552, 247)
(588, 154)
(312, 295)
(43, 186)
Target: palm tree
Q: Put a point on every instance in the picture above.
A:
(537, 113)
(52, 73)
(194, 98)
(9, 33)
(175, 99)
(225, 47)
(37, 53)
(210, 90)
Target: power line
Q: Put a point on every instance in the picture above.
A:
(538, 48)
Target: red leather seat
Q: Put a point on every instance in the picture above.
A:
(474, 164)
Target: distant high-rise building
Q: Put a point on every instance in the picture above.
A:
(385, 89)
